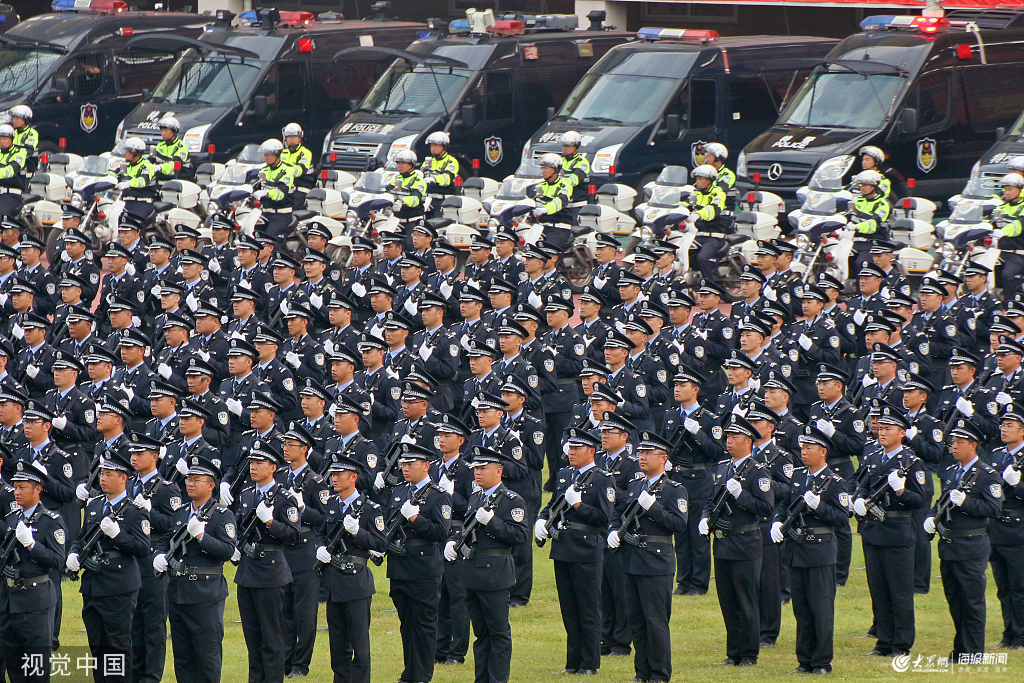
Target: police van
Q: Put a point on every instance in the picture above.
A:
(993, 164)
(74, 69)
(488, 82)
(931, 92)
(244, 79)
(657, 100)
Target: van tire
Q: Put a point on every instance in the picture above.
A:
(48, 146)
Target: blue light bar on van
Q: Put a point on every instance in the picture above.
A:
(681, 34)
(249, 17)
(88, 6)
(927, 25)
(459, 26)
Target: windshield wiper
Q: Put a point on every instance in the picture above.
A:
(406, 112)
(366, 109)
(601, 119)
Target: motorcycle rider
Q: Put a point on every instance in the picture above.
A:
(25, 136)
(439, 170)
(575, 168)
(1011, 244)
(169, 150)
(552, 195)
(274, 190)
(707, 203)
(12, 182)
(410, 190)
(871, 159)
(868, 215)
(298, 156)
(136, 181)
(715, 154)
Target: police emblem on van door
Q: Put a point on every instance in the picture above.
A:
(493, 151)
(697, 153)
(89, 118)
(927, 154)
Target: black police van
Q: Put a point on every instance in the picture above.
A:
(655, 101)
(931, 92)
(237, 85)
(993, 164)
(488, 83)
(74, 69)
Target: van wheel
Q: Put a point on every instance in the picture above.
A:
(48, 146)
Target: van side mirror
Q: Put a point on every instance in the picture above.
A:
(61, 86)
(908, 121)
(551, 113)
(259, 105)
(353, 103)
(672, 126)
(1000, 132)
(468, 113)
(145, 94)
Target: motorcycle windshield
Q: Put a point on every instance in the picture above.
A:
(968, 211)
(672, 175)
(250, 155)
(93, 165)
(978, 188)
(234, 175)
(371, 183)
(665, 196)
(820, 204)
(512, 188)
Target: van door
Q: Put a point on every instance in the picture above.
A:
(283, 88)
(700, 122)
(83, 91)
(492, 139)
(994, 96)
(750, 111)
(932, 155)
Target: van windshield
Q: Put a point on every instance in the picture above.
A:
(840, 99)
(21, 70)
(202, 81)
(416, 91)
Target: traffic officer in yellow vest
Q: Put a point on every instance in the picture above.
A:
(410, 190)
(25, 136)
(439, 170)
(136, 180)
(871, 159)
(707, 204)
(274, 189)
(715, 154)
(12, 183)
(170, 150)
(298, 156)
(1011, 243)
(552, 196)
(867, 216)
(575, 168)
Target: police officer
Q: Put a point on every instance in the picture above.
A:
(217, 430)
(816, 503)
(439, 170)
(893, 281)
(497, 517)
(382, 385)
(1006, 532)
(628, 384)
(717, 337)
(605, 276)
(972, 495)
(437, 350)
(274, 190)
(201, 538)
(222, 258)
(298, 156)
(593, 330)
(939, 330)
(171, 154)
(340, 309)
(569, 350)
(966, 396)
(552, 195)
(715, 154)
(978, 297)
(31, 248)
(811, 343)
(1008, 221)
(480, 269)
(25, 135)
(313, 399)
(868, 215)
(707, 204)
(410, 190)
(508, 266)
(33, 366)
(278, 379)
(13, 160)
(137, 181)
(236, 393)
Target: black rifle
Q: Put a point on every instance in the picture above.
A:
(720, 501)
(464, 545)
(251, 523)
(798, 507)
(874, 506)
(556, 516)
(181, 536)
(631, 519)
(978, 383)
(944, 508)
(336, 545)
(91, 544)
(8, 549)
(394, 530)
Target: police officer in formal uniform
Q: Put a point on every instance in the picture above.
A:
(967, 397)
(340, 313)
(652, 508)
(480, 268)
(717, 336)
(75, 418)
(222, 258)
(237, 392)
(628, 384)
(939, 329)
(816, 503)
(59, 488)
(134, 377)
(33, 366)
(79, 263)
(278, 379)
(1006, 532)
(978, 298)
(605, 276)
(217, 430)
(972, 494)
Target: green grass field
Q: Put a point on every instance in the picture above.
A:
(698, 637)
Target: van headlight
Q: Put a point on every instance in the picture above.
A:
(526, 152)
(976, 169)
(400, 145)
(120, 133)
(605, 159)
(741, 165)
(193, 138)
(836, 167)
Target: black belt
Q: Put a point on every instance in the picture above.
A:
(110, 555)
(1011, 518)
(417, 541)
(28, 581)
(194, 573)
(456, 524)
(568, 381)
(582, 527)
(694, 466)
(655, 539)
(894, 514)
(722, 533)
(352, 559)
(962, 533)
(493, 552)
(817, 530)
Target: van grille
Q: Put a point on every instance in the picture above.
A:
(354, 156)
(794, 173)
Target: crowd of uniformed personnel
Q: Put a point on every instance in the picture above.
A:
(194, 405)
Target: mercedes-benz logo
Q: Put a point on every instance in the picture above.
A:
(775, 171)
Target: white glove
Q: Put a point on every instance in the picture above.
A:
(181, 466)
(534, 300)
(929, 525)
(130, 269)
(540, 530)
(298, 498)
(205, 355)
(691, 425)
(825, 427)
(32, 371)
(464, 343)
(264, 512)
(226, 498)
(565, 449)
(1003, 398)
(259, 194)
(214, 265)
(316, 300)
(236, 556)
(859, 316)
(351, 525)
(957, 497)
(196, 528)
(539, 211)
(896, 482)
(425, 351)
(396, 206)
(323, 554)
(449, 551)
(754, 383)
(192, 301)
(109, 527)
(964, 406)
(18, 331)
(703, 334)
(702, 527)
(410, 306)
(769, 293)
(293, 359)
(776, 533)
(812, 499)
(72, 562)
(734, 488)
(358, 289)
(646, 500)
(24, 535)
(912, 433)
(867, 381)
(691, 219)
(329, 347)
(738, 410)
(165, 370)
(155, 291)
(160, 563)
(64, 256)
(144, 502)
(860, 507)
(446, 485)
(1011, 476)
(409, 510)
(446, 289)
(613, 539)
(60, 422)
(283, 307)
(82, 492)
(130, 392)
(805, 342)
(484, 516)
(378, 482)
(234, 405)
(600, 282)
(573, 496)
(244, 283)
(123, 185)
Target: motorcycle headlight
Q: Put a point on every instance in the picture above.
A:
(646, 234)
(193, 138)
(947, 250)
(605, 159)
(741, 165)
(802, 242)
(492, 226)
(352, 219)
(400, 145)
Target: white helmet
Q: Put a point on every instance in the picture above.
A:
(551, 161)
(274, 147)
(406, 155)
(439, 137)
(868, 177)
(873, 152)
(134, 144)
(570, 138)
(1012, 180)
(169, 122)
(705, 171)
(6, 130)
(1016, 164)
(717, 150)
(291, 129)
(22, 112)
